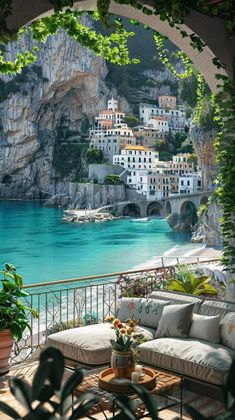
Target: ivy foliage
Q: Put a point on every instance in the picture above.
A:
(225, 110)
(112, 47)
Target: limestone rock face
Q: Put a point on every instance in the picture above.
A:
(45, 105)
(208, 227)
(87, 195)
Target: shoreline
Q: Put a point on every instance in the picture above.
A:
(174, 256)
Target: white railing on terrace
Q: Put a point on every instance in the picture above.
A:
(73, 302)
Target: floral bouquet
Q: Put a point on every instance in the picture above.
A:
(127, 335)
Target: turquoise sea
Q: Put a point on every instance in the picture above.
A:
(43, 248)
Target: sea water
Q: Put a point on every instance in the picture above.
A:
(43, 248)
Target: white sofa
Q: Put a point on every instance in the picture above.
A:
(206, 359)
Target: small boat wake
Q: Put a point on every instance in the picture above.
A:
(141, 220)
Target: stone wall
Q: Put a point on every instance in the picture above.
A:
(100, 171)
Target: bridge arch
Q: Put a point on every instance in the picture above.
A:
(154, 209)
(131, 209)
(188, 211)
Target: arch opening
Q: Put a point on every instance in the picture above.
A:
(131, 210)
(7, 179)
(188, 213)
(154, 209)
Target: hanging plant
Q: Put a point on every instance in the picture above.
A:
(113, 47)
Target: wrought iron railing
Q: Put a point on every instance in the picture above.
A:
(68, 303)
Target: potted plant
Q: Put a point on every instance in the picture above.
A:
(122, 359)
(13, 313)
(186, 281)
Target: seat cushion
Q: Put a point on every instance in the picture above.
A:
(91, 344)
(194, 358)
(147, 311)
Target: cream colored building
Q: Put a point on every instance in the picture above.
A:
(167, 101)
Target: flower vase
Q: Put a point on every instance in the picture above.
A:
(122, 363)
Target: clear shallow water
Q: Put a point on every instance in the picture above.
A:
(43, 248)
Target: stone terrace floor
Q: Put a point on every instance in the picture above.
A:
(205, 405)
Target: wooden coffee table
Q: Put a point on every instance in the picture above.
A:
(165, 383)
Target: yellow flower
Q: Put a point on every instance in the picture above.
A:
(120, 325)
(116, 322)
(129, 331)
(123, 330)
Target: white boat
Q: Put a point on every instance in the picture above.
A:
(143, 219)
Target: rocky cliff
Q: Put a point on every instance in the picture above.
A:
(44, 113)
(208, 229)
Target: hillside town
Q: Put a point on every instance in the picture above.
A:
(132, 155)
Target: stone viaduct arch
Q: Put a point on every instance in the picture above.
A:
(154, 208)
(218, 44)
(131, 209)
(188, 212)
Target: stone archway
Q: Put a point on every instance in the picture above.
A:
(168, 208)
(188, 213)
(218, 43)
(131, 210)
(154, 209)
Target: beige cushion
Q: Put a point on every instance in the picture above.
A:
(214, 307)
(175, 321)
(176, 298)
(147, 311)
(227, 330)
(89, 345)
(191, 357)
(205, 328)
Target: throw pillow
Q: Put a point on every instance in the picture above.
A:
(227, 330)
(175, 321)
(147, 311)
(205, 328)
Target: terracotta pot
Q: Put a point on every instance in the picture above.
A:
(122, 363)
(6, 344)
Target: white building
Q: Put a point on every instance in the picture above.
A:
(176, 117)
(136, 157)
(109, 116)
(190, 183)
(159, 123)
(111, 144)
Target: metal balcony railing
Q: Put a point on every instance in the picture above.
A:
(69, 303)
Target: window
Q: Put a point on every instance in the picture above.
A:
(199, 183)
(188, 183)
(182, 182)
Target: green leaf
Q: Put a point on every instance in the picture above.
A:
(57, 371)
(21, 391)
(149, 400)
(72, 383)
(41, 375)
(5, 408)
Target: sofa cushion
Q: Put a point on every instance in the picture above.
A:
(190, 357)
(91, 344)
(175, 321)
(227, 330)
(176, 298)
(147, 311)
(215, 307)
(205, 328)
